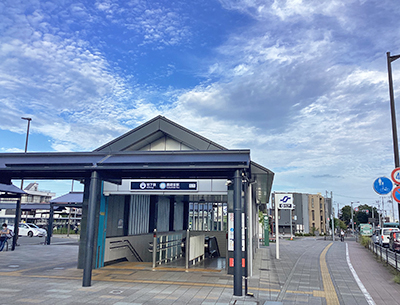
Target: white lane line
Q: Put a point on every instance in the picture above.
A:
(368, 297)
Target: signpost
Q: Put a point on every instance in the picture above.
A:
(383, 185)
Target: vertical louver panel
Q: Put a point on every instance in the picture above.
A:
(139, 214)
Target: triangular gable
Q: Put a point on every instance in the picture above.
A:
(160, 134)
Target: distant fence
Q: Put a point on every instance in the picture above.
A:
(391, 258)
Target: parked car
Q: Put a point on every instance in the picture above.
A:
(384, 236)
(43, 231)
(375, 236)
(394, 241)
(28, 229)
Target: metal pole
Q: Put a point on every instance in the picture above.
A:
(392, 108)
(237, 227)
(16, 223)
(352, 220)
(393, 113)
(90, 229)
(50, 224)
(291, 220)
(69, 222)
(26, 142)
(276, 229)
(333, 218)
(373, 217)
(187, 249)
(155, 249)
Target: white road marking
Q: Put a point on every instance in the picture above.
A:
(368, 297)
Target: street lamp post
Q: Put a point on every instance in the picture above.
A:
(352, 219)
(393, 113)
(18, 206)
(26, 142)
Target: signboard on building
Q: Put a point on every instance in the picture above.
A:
(284, 201)
(163, 185)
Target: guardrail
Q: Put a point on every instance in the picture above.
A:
(390, 257)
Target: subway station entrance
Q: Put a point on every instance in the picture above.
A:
(159, 194)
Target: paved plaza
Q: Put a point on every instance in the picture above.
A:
(309, 271)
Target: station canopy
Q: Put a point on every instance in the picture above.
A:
(159, 148)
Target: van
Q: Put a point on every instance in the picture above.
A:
(384, 235)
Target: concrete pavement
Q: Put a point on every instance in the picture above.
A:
(309, 271)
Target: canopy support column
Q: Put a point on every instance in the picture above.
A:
(90, 230)
(16, 223)
(237, 227)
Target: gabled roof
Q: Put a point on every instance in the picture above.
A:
(160, 126)
(71, 197)
(155, 129)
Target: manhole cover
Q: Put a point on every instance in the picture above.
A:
(13, 266)
(116, 292)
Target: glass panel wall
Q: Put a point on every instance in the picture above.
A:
(208, 216)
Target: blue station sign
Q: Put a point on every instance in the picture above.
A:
(164, 185)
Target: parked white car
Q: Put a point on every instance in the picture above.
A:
(384, 235)
(28, 229)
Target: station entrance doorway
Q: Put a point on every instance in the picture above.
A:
(173, 231)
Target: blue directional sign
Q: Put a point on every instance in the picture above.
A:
(383, 185)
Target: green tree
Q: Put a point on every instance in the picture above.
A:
(342, 225)
(346, 214)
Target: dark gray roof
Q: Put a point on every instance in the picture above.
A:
(128, 164)
(155, 129)
(10, 188)
(71, 197)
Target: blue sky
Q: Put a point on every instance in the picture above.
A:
(303, 84)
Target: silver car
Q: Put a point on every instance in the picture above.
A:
(28, 229)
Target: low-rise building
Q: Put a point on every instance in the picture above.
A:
(309, 213)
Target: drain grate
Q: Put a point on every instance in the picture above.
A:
(264, 269)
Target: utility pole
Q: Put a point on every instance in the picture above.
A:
(393, 113)
(333, 218)
(352, 221)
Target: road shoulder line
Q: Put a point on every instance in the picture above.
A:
(367, 296)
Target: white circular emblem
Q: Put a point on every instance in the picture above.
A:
(142, 185)
(162, 185)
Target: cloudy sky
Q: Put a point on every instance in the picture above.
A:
(303, 84)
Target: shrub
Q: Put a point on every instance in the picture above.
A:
(364, 241)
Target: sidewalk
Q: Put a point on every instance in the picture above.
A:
(376, 278)
(48, 275)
